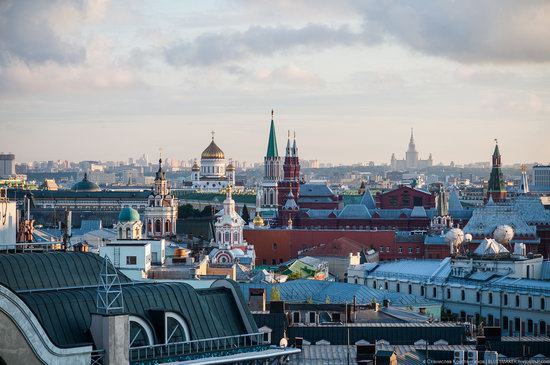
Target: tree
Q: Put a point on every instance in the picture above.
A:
(245, 214)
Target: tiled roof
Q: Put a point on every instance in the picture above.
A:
(317, 190)
(355, 211)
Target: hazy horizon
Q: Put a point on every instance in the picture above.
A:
(106, 80)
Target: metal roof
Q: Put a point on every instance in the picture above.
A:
(339, 293)
(66, 314)
(34, 271)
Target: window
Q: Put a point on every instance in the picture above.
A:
(418, 250)
(128, 235)
(176, 329)
(530, 325)
(131, 260)
(434, 292)
(542, 326)
(417, 201)
(462, 295)
(312, 317)
(410, 289)
(393, 201)
(504, 323)
(264, 261)
(400, 249)
(448, 293)
(398, 287)
(542, 304)
(296, 317)
(422, 290)
(374, 284)
(386, 285)
(490, 298)
(387, 249)
(517, 324)
(490, 320)
(157, 225)
(274, 246)
(478, 296)
(273, 262)
(410, 250)
(505, 299)
(530, 302)
(517, 300)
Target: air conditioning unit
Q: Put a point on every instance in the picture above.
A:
(472, 357)
(458, 358)
(490, 358)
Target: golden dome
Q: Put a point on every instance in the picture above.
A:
(195, 167)
(230, 167)
(212, 152)
(258, 220)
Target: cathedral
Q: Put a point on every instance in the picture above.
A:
(411, 160)
(213, 174)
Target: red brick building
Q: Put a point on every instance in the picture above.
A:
(405, 197)
(274, 246)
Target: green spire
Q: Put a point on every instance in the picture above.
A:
(496, 152)
(272, 150)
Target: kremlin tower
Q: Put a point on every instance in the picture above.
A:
(272, 175)
(496, 188)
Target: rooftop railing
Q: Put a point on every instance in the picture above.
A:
(195, 347)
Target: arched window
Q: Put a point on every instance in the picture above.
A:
(128, 234)
(176, 329)
(167, 226)
(227, 237)
(120, 232)
(140, 333)
(235, 237)
(157, 226)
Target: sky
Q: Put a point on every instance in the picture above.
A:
(108, 80)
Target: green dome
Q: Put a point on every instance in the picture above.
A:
(86, 185)
(128, 215)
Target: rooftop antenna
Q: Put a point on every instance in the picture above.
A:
(109, 292)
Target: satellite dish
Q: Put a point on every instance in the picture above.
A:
(283, 343)
(503, 234)
(468, 237)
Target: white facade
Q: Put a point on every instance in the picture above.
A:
(230, 243)
(496, 292)
(213, 174)
(132, 257)
(8, 222)
(161, 212)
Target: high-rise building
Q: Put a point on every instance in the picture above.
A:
(411, 160)
(541, 177)
(7, 165)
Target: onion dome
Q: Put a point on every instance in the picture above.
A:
(258, 220)
(212, 152)
(85, 185)
(230, 167)
(160, 175)
(128, 215)
(195, 167)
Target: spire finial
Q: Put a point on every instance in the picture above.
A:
(272, 114)
(213, 135)
(289, 134)
(294, 134)
(496, 140)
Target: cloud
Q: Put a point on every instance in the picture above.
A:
(467, 31)
(216, 48)
(292, 75)
(26, 35)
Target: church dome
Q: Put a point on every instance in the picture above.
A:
(212, 152)
(230, 167)
(195, 167)
(85, 185)
(128, 215)
(258, 221)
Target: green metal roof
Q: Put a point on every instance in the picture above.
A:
(86, 185)
(128, 215)
(272, 150)
(32, 271)
(66, 314)
(61, 287)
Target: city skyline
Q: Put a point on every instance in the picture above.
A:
(105, 80)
